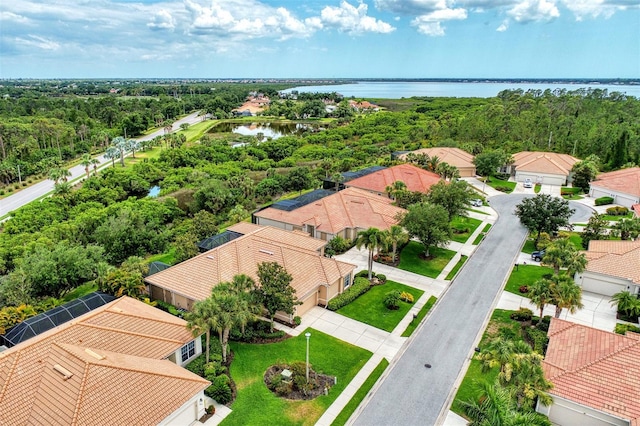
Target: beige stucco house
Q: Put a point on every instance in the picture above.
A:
(119, 364)
(612, 267)
(548, 168)
(456, 157)
(316, 279)
(595, 376)
(623, 185)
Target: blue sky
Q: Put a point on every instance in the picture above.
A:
(320, 38)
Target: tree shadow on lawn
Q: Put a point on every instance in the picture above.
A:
(412, 259)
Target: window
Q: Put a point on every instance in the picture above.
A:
(188, 350)
(347, 281)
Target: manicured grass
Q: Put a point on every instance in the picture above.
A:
(478, 211)
(464, 223)
(573, 197)
(481, 235)
(537, 188)
(421, 314)
(80, 291)
(576, 239)
(612, 218)
(454, 271)
(196, 130)
(468, 388)
(370, 309)
(357, 398)
(169, 257)
(525, 275)
(411, 261)
(257, 405)
(493, 182)
(529, 246)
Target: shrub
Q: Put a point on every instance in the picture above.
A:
(256, 330)
(522, 314)
(1, 191)
(603, 201)
(363, 274)
(523, 289)
(623, 328)
(358, 288)
(210, 409)
(544, 323)
(338, 245)
(392, 300)
(9, 190)
(537, 338)
(618, 211)
(297, 320)
(503, 188)
(406, 297)
(382, 278)
(220, 390)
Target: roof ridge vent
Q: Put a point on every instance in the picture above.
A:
(66, 374)
(270, 253)
(210, 257)
(94, 354)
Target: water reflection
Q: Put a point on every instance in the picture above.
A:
(264, 130)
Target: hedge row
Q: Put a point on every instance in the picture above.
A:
(603, 201)
(618, 211)
(360, 286)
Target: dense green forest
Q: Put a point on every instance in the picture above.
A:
(51, 247)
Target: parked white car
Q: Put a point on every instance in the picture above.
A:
(528, 183)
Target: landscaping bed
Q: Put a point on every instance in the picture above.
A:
(463, 227)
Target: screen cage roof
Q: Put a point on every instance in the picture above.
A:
(54, 317)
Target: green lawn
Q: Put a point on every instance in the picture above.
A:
(616, 218)
(421, 314)
(466, 224)
(537, 188)
(495, 183)
(169, 257)
(410, 259)
(454, 271)
(529, 246)
(370, 309)
(468, 387)
(80, 291)
(478, 211)
(357, 398)
(525, 275)
(481, 235)
(257, 405)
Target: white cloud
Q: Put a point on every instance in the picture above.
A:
(596, 8)
(38, 42)
(353, 20)
(504, 26)
(413, 7)
(534, 10)
(13, 17)
(162, 20)
(431, 23)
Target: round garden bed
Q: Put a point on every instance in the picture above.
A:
(293, 384)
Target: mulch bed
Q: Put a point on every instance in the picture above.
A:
(321, 381)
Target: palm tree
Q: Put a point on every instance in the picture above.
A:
(432, 163)
(628, 304)
(61, 189)
(627, 228)
(371, 239)
(394, 236)
(540, 293)
(112, 153)
(561, 254)
(238, 213)
(506, 354)
(496, 408)
(95, 163)
(86, 162)
(565, 293)
(59, 174)
(199, 321)
(229, 309)
(395, 188)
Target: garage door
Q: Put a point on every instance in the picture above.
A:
(603, 287)
(564, 413)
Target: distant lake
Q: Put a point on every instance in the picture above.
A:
(268, 130)
(408, 89)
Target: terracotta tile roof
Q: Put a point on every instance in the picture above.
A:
(133, 336)
(414, 177)
(616, 258)
(595, 368)
(349, 208)
(625, 180)
(544, 162)
(195, 277)
(298, 239)
(453, 156)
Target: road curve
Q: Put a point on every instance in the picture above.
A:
(411, 393)
(36, 191)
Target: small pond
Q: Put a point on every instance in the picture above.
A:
(268, 130)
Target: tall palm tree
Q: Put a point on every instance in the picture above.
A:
(394, 236)
(496, 408)
(199, 321)
(565, 293)
(95, 163)
(229, 309)
(506, 354)
(563, 254)
(540, 293)
(112, 153)
(627, 228)
(86, 162)
(627, 303)
(371, 239)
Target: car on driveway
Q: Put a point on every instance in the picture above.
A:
(476, 203)
(528, 183)
(538, 255)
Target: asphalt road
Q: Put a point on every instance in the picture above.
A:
(413, 394)
(36, 191)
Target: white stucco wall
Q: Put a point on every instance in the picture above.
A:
(620, 198)
(543, 178)
(568, 413)
(177, 354)
(606, 285)
(190, 411)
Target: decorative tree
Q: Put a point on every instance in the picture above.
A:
(544, 213)
(275, 291)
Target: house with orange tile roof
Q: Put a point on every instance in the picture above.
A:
(344, 214)
(456, 157)
(623, 185)
(415, 178)
(549, 168)
(612, 266)
(595, 376)
(316, 279)
(119, 364)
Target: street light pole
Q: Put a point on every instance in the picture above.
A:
(307, 335)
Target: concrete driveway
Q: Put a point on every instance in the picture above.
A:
(410, 393)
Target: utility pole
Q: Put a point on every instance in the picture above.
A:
(19, 176)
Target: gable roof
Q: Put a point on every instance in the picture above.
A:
(595, 368)
(544, 162)
(133, 337)
(626, 181)
(414, 177)
(615, 258)
(194, 278)
(453, 156)
(349, 208)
